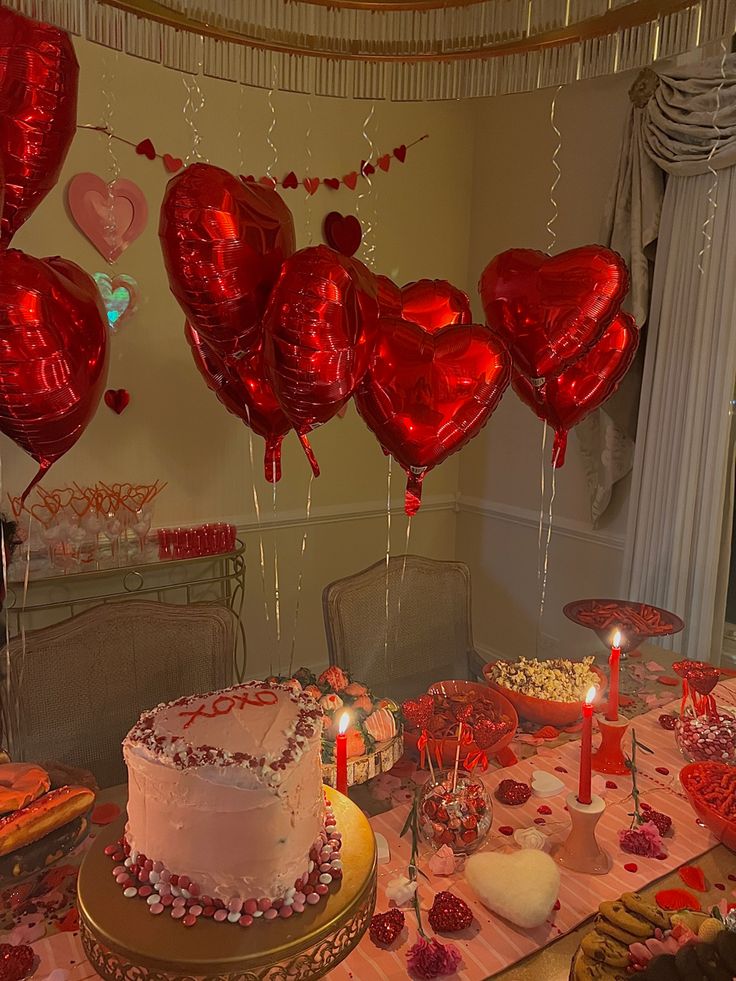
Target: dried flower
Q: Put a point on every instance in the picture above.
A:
(400, 890)
(531, 838)
(644, 840)
(431, 959)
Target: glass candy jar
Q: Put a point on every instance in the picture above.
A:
(460, 818)
(709, 736)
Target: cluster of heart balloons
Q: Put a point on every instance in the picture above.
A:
(53, 339)
(286, 338)
(561, 319)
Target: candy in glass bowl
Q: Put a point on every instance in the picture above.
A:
(703, 732)
(635, 621)
(459, 817)
(548, 692)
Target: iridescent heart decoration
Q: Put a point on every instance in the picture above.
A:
(120, 297)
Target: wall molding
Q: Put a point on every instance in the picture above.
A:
(564, 527)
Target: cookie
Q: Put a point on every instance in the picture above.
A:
(725, 944)
(615, 912)
(603, 926)
(638, 905)
(604, 949)
(585, 969)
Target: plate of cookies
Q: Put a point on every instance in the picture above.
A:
(633, 937)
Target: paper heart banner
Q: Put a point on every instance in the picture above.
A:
(551, 310)
(431, 303)
(111, 216)
(425, 395)
(119, 296)
(342, 232)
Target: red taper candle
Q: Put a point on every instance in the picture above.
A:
(613, 664)
(586, 748)
(341, 754)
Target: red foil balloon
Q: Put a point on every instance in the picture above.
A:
(320, 326)
(53, 354)
(550, 310)
(431, 303)
(38, 113)
(223, 243)
(240, 383)
(565, 400)
(425, 395)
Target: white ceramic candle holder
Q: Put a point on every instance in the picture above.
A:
(580, 852)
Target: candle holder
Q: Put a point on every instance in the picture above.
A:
(609, 757)
(580, 852)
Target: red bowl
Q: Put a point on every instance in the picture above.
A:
(448, 747)
(542, 711)
(723, 828)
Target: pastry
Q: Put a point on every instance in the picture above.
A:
(21, 783)
(585, 969)
(638, 905)
(615, 912)
(43, 815)
(602, 925)
(604, 949)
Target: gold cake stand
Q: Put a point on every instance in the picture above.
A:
(123, 941)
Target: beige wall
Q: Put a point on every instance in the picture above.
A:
(500, 471)
(174, 428)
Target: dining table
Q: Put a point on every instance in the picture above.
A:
(42, 911)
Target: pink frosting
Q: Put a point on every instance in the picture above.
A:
(228, 792)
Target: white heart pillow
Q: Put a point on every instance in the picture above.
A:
(522, 886)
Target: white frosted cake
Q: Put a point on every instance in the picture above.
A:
(226, 811)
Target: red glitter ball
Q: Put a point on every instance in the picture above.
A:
(544, 809)
(631, 867)
(506, 830)
(513, 792)
(610, 785)
(449, 913)
(667, 721)
(16, 962)
(385, 927)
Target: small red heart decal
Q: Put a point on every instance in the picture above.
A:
(400, 153)
(351, 180)
(342, 233)
(172, 164)
(367, 168)
(290, 180)
(631, 867)
(145, 148)
(333, 182)
(117, 399)
(311, 184)
(384, 162)
(267, 181)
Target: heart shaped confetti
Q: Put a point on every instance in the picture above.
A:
(290, 180)
(172, 164)
(332, 182)
(513, 792)
(146, 149)
(384, 162)
(385, 927)
(400, 153)
(545, 784)
(311, 184)
(117, 399)
(631, 867)
(351, 180)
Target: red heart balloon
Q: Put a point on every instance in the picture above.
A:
(38, 112)
(550, 310)
(566, 399)
(240, 383)
(319, 327)
(53, 354)
(342, 232)
(430, 303)
(223, 243)
(425, 395)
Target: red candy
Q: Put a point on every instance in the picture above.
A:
(674, 899)
(449, 914)
(513, 792)
(663, 770)
(707, 737)
(544, 809)
(631, 867)
(610, 785)
(693, 877)
(385, 927)
(505, 829)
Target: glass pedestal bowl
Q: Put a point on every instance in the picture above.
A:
(636, 621)
(460, 818)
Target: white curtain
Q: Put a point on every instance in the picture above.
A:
(681, 496)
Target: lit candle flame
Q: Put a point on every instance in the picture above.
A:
(617, 639)
(592, 692)
(343, 723)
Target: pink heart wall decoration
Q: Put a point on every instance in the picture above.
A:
(111, 216)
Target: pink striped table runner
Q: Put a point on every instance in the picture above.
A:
(490, 945)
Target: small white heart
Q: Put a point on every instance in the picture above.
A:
(536, 880)
(545, 784)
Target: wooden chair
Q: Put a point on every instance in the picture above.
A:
(429, 636)
(73, 690)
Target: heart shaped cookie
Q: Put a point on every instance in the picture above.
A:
(522, 887)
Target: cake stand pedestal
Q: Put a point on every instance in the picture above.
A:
(123, 940)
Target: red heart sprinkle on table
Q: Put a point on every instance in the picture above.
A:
(145, 149)
(666, 679)
(674, 899)
(631, 867)
(506, 830)
(610, 785)
(539, 821)
(693, 877)
(556, 906)
(663, 770)
(719, 885)
(667, 721)
(560, 769)
(544, 809)
(731, 877)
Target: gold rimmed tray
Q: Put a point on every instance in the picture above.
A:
(364, 768)
(123, 940)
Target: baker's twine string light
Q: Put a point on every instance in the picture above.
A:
(558, 173)
(711, 201)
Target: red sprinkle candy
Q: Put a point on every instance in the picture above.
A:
(544, 809)
(505, 829)
(668, 721)
(663, 770)
(610, 785)
(631, 867)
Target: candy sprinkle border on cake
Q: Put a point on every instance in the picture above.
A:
(269, 769)
(141, 877)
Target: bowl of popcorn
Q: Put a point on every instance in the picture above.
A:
(546, 692)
